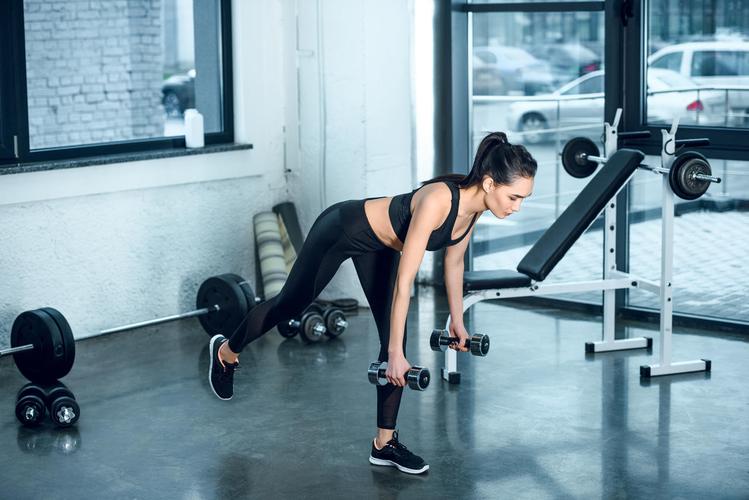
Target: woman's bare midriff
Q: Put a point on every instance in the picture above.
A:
(379, 218)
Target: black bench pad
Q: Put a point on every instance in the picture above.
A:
(489, 280)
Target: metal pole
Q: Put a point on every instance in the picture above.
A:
(190, 314)
(13, 350)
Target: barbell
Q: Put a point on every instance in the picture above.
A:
(43, 346)
(689, 176)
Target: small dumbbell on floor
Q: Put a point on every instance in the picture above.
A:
(63, 408)
(31, 405)
(34, 401)
(417, 377)
(441, 340)
(310, 326)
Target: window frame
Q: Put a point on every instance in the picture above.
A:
(14, 126)
(725, 143)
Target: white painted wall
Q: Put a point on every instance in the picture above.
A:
(114, 244)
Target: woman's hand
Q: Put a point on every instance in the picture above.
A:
(460, 332)
(398, 366)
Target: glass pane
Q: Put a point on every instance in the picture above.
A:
(101, 72)
(710, 266)
(545, 87)
(704, 43)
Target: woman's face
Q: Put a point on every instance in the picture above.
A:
(504, 200)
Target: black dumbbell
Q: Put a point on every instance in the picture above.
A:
(417, 377)
(63, 408)
(311, 326)
(335, 321)
(441, 339)
(31, 405)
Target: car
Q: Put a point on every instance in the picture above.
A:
(511, 70)
(567, 60)
(578, 106)
(715, 64)
(178, 94)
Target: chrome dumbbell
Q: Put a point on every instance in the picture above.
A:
(417, 377)
(441, 340)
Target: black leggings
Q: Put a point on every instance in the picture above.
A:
(340, 232)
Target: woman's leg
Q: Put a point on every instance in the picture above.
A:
(377, 272)
(322, 253)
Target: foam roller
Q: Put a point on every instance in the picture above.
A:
(270, 253)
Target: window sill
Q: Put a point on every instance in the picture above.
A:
(23, 168)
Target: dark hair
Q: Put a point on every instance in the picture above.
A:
(497, 158)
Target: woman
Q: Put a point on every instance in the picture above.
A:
(386, 238)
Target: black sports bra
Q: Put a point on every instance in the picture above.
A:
(400, 218)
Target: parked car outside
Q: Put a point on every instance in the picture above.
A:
(178, 94)
(512, 69)
(716, 64)
(670, 95)
(567, 60)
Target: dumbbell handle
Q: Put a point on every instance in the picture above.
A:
(635, 134)
(13, 350)
(704, 177)
(693, 142)
(446, 340)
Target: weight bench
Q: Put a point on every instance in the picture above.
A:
(598, 195)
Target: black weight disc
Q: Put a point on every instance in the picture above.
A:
(68, 341)
(307, 328)
(572, 157)
(314, 307)
(331, 317)
(225, 292)
(249, 293)
(286, 330)
(41, 364)
(681, 176)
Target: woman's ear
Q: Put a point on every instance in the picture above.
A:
(488, 184)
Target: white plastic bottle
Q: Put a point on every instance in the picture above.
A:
(194, 137)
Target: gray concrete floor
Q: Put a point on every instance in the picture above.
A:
(534, 419)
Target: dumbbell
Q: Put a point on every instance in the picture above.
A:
(441, 340)
(31, 405)
(43, 346)
(311, 325)
(335, 321)
(63, 408)
(417, 377)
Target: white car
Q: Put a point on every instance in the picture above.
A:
(577, 107)
(715, 64)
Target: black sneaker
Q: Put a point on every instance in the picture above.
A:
(220, 376)
(395, 454)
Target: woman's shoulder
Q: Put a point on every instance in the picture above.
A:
(435, 195)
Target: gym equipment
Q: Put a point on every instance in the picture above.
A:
(269, 253)
(311, 326)
(417, 377)
(335, 322)
(440, 340)
(63, 408)
(315, 320)
(43, 346)
(689, 176)
(31, 405)
(686, 171)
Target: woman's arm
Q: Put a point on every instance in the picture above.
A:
(428, 214)
(454, 267)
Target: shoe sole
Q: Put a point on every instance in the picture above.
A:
(390, 463)
(210, 368)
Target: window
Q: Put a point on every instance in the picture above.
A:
(670, 61)
(117, 76)
(726, 63)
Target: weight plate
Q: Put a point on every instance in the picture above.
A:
(434, 340)
(331, 317)
(572, 157)
(68, 341)
(315, 308)
(39, 365)
(309, 322)
(286, 330)
(224, 291)
(681, 175)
